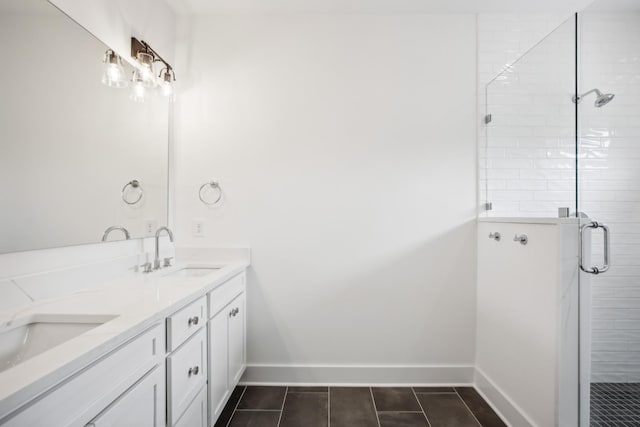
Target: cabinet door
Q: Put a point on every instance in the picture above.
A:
(236, 340)
(218, 362)
(196, 413)
(140, 406)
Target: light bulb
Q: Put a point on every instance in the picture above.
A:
(166, 89)
(166, 86)
(138, 89)
(113, 74)
(145, 62)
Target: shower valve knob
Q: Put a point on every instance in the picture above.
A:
(522, 238)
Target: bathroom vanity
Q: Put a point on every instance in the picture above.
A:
(165, 348)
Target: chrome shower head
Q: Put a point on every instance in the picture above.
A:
(602, 99)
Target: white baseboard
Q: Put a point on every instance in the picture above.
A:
(506, 409)
(351, 375)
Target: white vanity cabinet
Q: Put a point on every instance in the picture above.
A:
(98, 388)
(177, 373)
(227, 344)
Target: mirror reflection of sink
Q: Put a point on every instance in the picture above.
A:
(29, 336)
(193, 271)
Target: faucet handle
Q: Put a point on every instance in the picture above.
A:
(147, 267)
(167, 262)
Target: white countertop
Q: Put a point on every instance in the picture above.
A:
(138, 301)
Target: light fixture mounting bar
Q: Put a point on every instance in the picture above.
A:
(142, 46)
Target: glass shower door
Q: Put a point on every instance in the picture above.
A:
(609, 192)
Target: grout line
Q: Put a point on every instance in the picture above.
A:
(467, 406)
(257, 410)
(434, 392)
(235, 408)
(328, 406)
(375, 409)
(286, 392)
(400, 412)
(420, 404)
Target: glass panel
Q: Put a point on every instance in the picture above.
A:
(609, 192)
(527, 165)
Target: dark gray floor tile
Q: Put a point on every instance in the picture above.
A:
(480, 408)
(434, 389)
(402, 419)
(227, 412)
(395, 399)
(301, 389)
(258, 397)
(255, 419)
(446, 410)
(352, 407)
(305, 409)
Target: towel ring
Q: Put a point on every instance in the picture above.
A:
(214, 185)
(135, 184)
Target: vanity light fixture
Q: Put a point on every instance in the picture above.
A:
(113, 74)
(145, 57)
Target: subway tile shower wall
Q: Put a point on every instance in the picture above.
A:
(527, 159)
(610, 187)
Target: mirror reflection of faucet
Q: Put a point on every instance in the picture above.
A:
(127, 236)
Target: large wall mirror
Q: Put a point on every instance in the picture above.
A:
(75, 154)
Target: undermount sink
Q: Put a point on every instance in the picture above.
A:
(30, 336)
(193, 271)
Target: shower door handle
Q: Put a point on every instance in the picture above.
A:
(590, 226)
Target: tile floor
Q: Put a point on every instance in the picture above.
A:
(615, 404)
(255, 406)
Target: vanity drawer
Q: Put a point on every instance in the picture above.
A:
(225, 293)
(186, 375)
(184, 323)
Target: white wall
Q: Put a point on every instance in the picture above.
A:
(345, 145)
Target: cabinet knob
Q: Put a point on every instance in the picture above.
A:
(194, 370)
(193, 320)
(234, 312)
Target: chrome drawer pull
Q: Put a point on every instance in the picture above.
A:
(194, 370)
(193, 320)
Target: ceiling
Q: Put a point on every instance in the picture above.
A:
(375, 6)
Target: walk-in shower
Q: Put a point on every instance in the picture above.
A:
(544, 153)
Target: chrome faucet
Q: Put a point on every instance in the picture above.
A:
(156, 262)
(127, 236)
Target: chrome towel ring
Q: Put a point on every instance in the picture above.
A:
(214, 185)
(133, 185)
